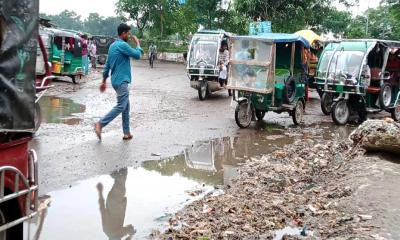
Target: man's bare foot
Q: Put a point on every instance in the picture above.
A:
(127, 137)
(97, 130)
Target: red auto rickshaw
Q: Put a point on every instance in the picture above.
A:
(18, 165)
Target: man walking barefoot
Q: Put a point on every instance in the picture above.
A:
(118, 63)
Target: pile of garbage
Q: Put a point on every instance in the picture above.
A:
(300, 192)
(378, 135)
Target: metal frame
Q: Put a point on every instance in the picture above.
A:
(30, 185)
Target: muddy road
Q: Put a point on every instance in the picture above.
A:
(166, 117)
(182, 148)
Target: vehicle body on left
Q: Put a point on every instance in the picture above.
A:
(18, 164)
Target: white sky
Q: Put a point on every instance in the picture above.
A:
(107, 7)
(82, 7)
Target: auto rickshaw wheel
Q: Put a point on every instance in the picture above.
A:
(396, 113)
(260, 115)
(243, 114)
(38, 116)
(385, 96)
(298, 113)
(203, 90)
(290, 91)
(340, 112)
(326, 103)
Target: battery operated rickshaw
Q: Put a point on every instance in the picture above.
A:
(268, 73)
(203, 65)
(360, 76)
(65, 52)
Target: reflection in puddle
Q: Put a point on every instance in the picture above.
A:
(215, 162)
(60, 110)
(107, 207)
(110, 213)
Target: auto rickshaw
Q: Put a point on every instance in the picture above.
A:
(64, 51)
(103, 44)
(202, 65)
(18, 165)
(316, 48)
(363, 77)
(268, 73)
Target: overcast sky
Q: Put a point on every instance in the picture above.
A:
(107, 7)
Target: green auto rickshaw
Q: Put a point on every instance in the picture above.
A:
(362, 76)
(268, 73)
(64, 51)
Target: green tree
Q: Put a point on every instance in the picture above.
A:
(336, 22)
(94, 24)
(66, 19)
(138, 10)
(287, 15)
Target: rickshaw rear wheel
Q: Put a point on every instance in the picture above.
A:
(38, 116)
(395, 112)
(326, 103)
(298, 113)
(340, 112)
(202, 91)
(243, 114)
(260, 115)
(385, 96)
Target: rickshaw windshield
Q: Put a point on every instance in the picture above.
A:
(324, 64)
(46, 40)
(346, 64)
(250, 63)
(203, 53)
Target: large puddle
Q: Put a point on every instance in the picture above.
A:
(60, 110)
(108, 207)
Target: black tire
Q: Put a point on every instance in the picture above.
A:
(326, 103)
(340, 112)
(9, 211)
(385, 96)
(290, 91)
(395, 112)
(298, 113)
(230, 93)
(202, 91)
(243, 116)
(38, 116)
(260, 115)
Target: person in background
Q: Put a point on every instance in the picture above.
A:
(85, 58)
(93, 52)
(223, 61)
(152, 52)
(119, 64)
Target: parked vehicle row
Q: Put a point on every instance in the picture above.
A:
(272, 72)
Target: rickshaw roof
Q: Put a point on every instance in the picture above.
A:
(277, 38)
(364, 44)
(310, 36)
(61, 33)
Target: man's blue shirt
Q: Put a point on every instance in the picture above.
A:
(118, 62)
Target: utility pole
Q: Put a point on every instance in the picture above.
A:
(366, 28)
